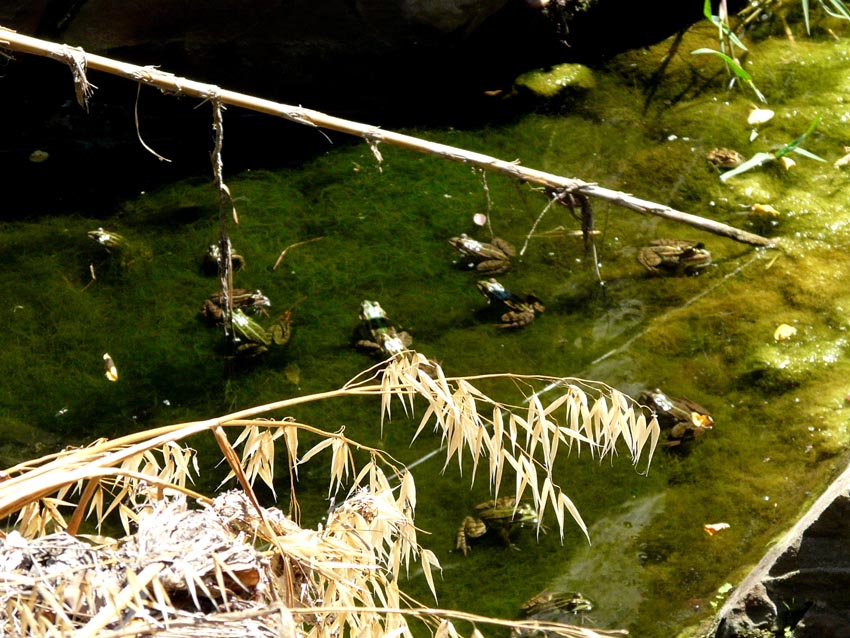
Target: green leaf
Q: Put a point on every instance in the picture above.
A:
(806, 16)
(722, 26)
(755, 161)
(793, 145)
(734, 66)
(840, 9)
(759, 159)
(736, 69)
(806, 153)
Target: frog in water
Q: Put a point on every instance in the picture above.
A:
(684, 419)
(521, 310)
(252, 339)
(674, 256)
(212, 310)
(552, 606)
(377, 334)
(501, 515)
(492, 258)
(724, 158)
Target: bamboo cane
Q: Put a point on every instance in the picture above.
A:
(79, 61)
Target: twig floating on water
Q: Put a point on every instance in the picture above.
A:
(295, 245)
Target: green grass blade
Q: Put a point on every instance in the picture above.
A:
(755, 161)
(808, 154)
(722, 26)
(793, 145)
(758, 93)
(734, 66)
(840, 12)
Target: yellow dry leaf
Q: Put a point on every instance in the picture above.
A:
(407, 491)
(321, 445)
(765, 210)
(428, 559)
(564, 503)
(784, 332)
(759, 116)
(713, 528)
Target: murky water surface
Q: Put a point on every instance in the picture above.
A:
(780, 408)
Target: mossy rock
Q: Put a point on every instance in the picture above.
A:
(560, 81)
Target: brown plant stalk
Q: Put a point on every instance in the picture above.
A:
(79, 61)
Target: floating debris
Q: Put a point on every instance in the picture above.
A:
(844, 160)
(713, 528)
(38, 156)
(758, 116)
(479, 219)
(784, 332)
(111, 370)
(764, 210)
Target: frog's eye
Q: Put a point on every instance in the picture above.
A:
(701, 420)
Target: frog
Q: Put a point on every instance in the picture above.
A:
(522, 310)
(501, 515)
(212, 310)
(725, 158)
(674, 256)
(252, 339)
(493, 258)
(548, 604)
(212, 257)
(683, 419)
(107, 238)
(378, 335)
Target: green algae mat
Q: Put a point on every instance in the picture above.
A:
(379, 232)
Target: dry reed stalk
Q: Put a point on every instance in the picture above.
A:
(79, 61)
(232, 554)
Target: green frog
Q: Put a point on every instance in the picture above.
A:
(492, 258)
(213, 255)
(502, 515)
(377, 334)
(252, 339)
(685, 419)
(521, 310)
(548, 605)
(212, 310)
(676, 256)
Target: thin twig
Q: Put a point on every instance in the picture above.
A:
(486, 188)
(138, 130)
(534, 225)
(295, 245)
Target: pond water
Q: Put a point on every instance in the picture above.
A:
(780, 408)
